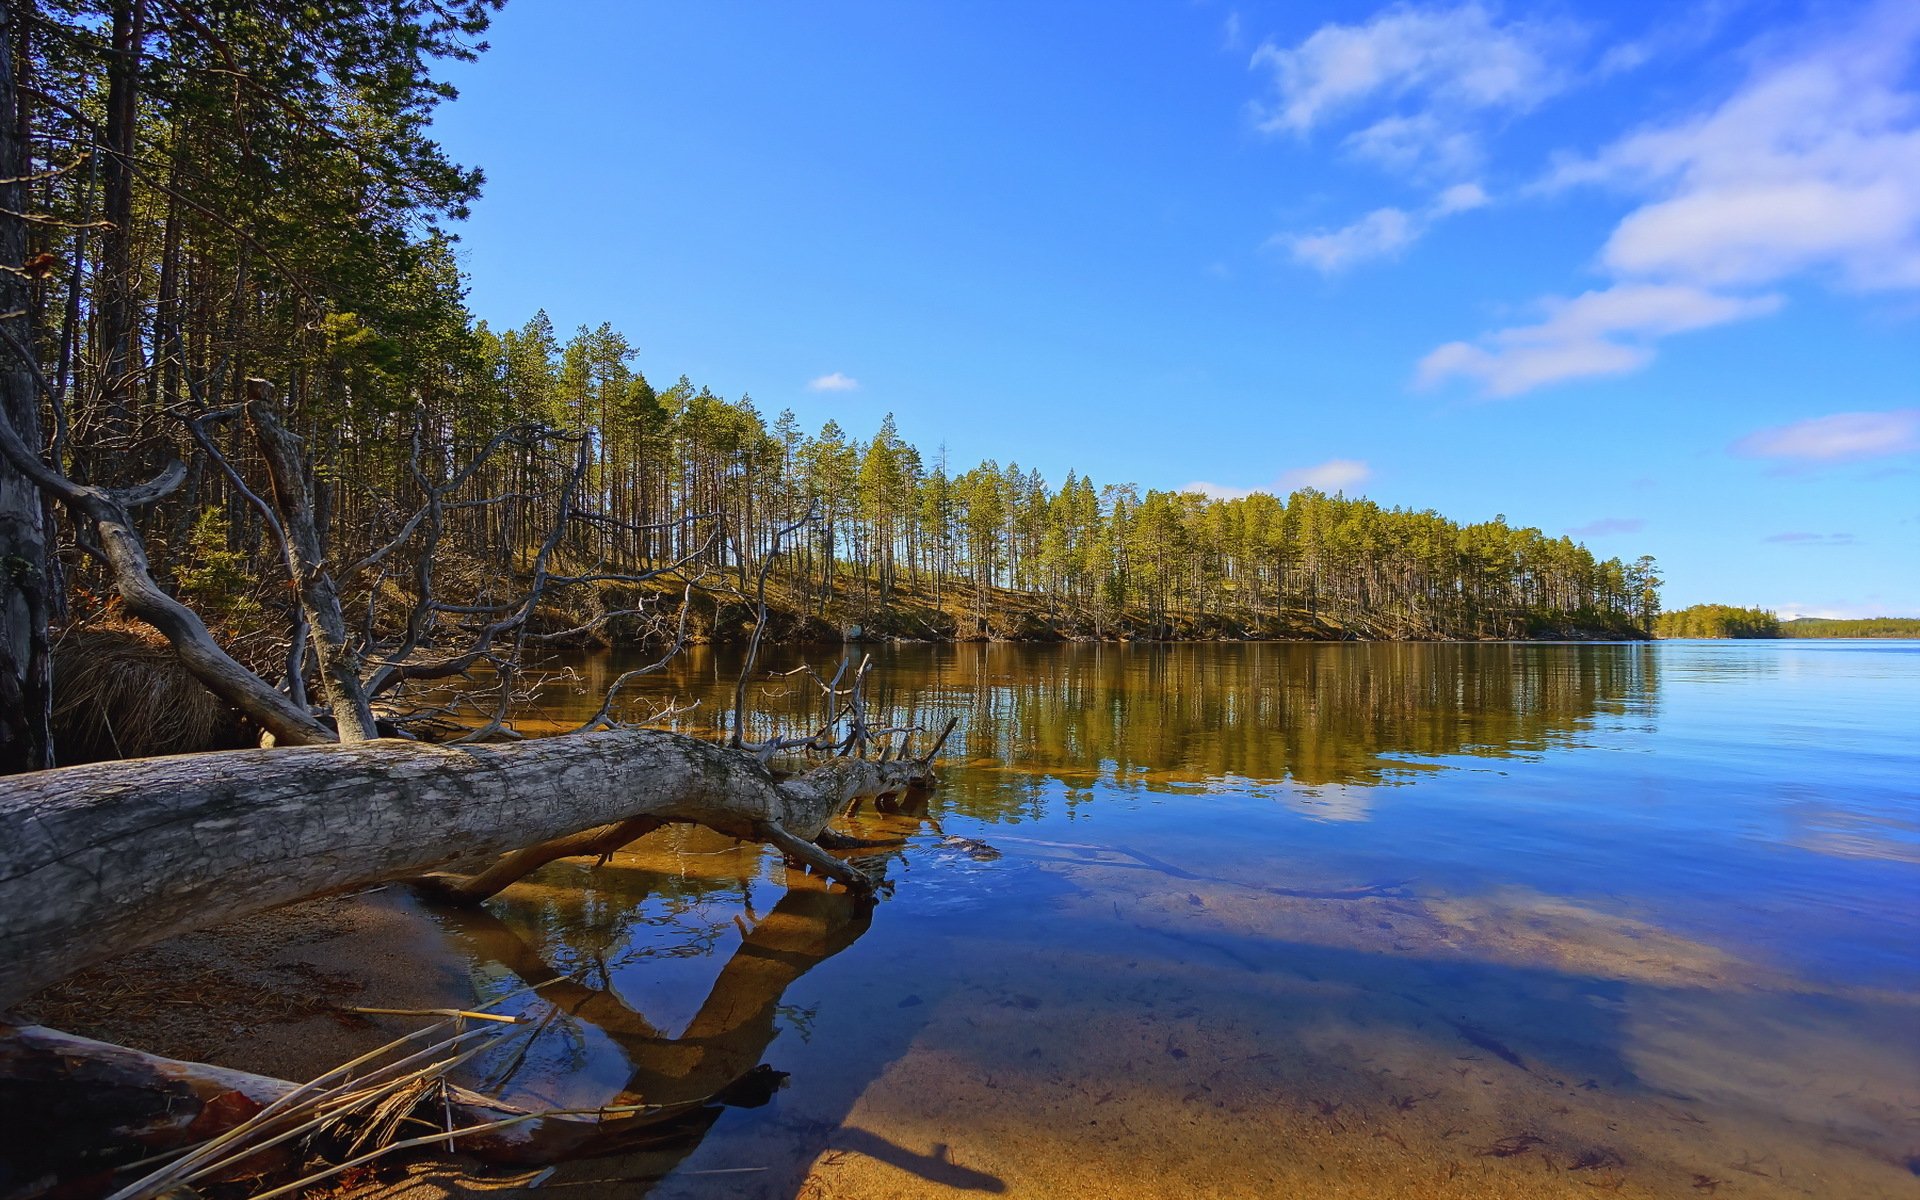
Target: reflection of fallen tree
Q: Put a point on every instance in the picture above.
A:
(77, 1100)
(734, 1025)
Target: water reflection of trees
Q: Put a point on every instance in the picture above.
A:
(1176, 718)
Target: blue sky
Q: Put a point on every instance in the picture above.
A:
(1647, 274)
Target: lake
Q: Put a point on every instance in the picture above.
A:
(1263, 920)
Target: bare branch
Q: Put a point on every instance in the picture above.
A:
(760, 624)
(120, 546)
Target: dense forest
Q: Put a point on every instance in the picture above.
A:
(1863, 627)
(709, 482)
(1717, 621)
(203, 194)
(1726, 621)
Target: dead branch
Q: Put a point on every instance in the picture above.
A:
(339, 661)
(119, 544)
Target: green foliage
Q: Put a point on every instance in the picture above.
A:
(216, 579)
(1864, 627)
(1717, 621)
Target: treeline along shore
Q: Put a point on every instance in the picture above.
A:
(1729, 621)
(237, 226)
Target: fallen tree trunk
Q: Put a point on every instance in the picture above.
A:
(97, 860)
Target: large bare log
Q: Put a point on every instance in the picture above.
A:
(97, 860)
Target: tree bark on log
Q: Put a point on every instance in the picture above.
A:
(97, 860)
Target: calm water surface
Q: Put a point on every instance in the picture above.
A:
(1243, 920)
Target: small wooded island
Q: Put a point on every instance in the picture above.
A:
(333, 615)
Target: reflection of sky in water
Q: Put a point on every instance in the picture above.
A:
(1665, 866)
(1760, 792)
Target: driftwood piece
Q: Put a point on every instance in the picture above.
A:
(78, 1109)
(97, 860)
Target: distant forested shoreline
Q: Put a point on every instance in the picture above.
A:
(1727, 621)
(1865, 627)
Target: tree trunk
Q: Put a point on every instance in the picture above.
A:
(26, 678)
(117, 349)
(97, 860)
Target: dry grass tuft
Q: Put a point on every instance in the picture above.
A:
(119, 692)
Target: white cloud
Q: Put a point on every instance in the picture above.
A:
(1605, 332)
(835, 382)
(1449, 65)
(1459, 57)
(1841, 437)
(1809, 168)
(1382, 232)
(1329, 476)
(1461, 197)
(1758, 232)
(1420, 143)
(1676, 29)
(1216, 491)
(1829, 611)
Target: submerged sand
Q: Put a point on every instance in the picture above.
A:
(1506, 1046)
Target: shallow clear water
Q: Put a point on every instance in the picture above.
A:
(1235, 919)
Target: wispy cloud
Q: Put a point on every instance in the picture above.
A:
(1812, 165)
(1382, 233)
(1811, 539)
(1421, 143)
(1840, 437)
(1332, 475)
(1461, 197)
(1832, 611)
(1329, 476)
(1443, 66)
(1605, 332)
(1606, 526)
(1220, 491)
(1811, 168)
(835, 382)
(1677, 29)
(1421, 82)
